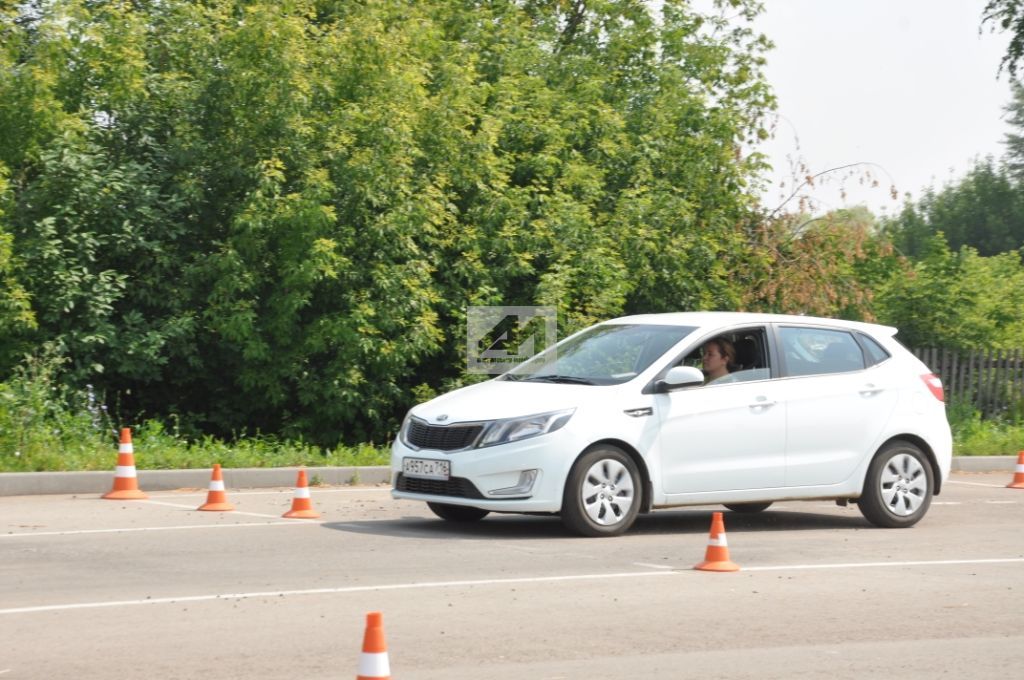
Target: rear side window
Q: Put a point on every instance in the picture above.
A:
(817, 351)
(876, 354)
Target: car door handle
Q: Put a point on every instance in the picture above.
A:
(869, 390)
(762, 402)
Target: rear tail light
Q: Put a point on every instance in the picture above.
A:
(934, 384)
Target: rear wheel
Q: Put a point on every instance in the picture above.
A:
(602, 493)
(898, 487)
(458, 513)
(748, 508)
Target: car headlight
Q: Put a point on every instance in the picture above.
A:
(514, 429)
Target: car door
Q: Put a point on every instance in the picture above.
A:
(836, 408)
(721, 437)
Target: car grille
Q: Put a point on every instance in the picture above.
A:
(455, 486)
(450, 438)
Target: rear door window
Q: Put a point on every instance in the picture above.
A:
(819, 351)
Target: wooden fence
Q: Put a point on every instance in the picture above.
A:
(991, 380)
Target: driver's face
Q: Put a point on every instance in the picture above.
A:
(713, 359)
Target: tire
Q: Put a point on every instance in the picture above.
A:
(748, 508)
(602, 493)
(898, 487)
(458, 513)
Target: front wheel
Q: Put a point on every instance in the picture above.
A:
(457, 513)
(602, 493)
(898, 487)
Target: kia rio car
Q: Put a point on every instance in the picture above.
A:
(618, 420)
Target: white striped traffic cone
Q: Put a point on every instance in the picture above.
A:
(216, 498)
(373, 661)
(126, 483)
(716, 556)
(302, 506)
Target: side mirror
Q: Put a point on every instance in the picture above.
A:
(680, 376)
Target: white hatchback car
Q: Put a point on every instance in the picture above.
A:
(618, 420)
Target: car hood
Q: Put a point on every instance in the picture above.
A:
(496, 399)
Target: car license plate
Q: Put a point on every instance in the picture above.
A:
(426, 469)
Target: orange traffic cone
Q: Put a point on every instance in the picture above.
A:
(126, 484)
(216, 499)
(1018, 476)
(302, 507)
(716, 558)
(373, 662)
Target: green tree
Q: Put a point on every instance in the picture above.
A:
(272, 215)
(1014, 139)
(956, 299)
(1007, 15)
(16, 316)
(983, 210)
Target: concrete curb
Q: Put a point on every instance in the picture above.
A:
(984, 463)
(30, 483)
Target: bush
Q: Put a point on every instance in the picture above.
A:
(45, 426)
(975, 436)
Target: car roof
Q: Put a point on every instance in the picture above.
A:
(730, 319)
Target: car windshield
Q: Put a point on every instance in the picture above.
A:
(603, 355)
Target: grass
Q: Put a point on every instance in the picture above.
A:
(45, 426)
(156, 449)
(975, 436)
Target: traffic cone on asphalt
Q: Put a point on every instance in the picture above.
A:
(373, 661)
(216, 498)
(302, 507)
(1018, 476)
(126, 483)
(716, 557)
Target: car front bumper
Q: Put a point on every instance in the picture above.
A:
(493, 478)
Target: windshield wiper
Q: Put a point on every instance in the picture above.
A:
(567, 379)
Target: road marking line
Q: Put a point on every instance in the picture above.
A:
(861, 565)
(173, 528)
(480, 582)
(946, 503)
(1001, 502)
(190, 507)
(313, 489)
(653, 566)
(990, 486)
(330, 591)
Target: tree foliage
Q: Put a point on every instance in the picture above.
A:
(957, 299)
(1007, 15)
(273, 215)
(984, 210)
(16, 316)
(824, 266)
(1014, 139)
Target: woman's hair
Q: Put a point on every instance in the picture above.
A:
(728, 350)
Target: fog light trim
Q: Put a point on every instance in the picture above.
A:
(523, 486)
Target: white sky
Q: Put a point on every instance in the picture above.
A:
(908, 85)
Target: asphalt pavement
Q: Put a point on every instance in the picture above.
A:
(91, 588)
